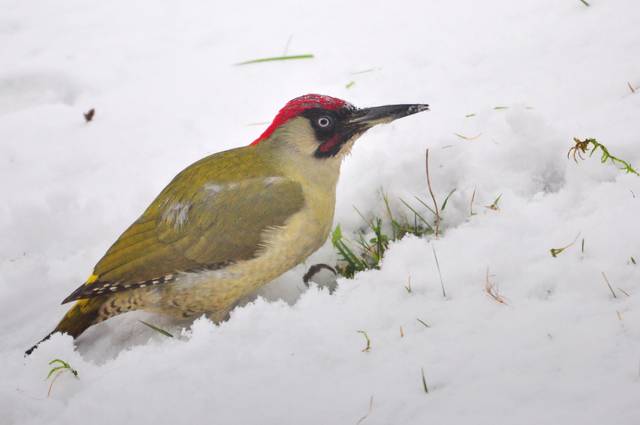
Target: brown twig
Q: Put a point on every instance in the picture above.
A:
(53, 382)
(624, 292)
(609, 285)
(492, 290)
(368, 346)
(578, 149)
(368, 412)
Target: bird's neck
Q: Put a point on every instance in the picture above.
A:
(291, 151)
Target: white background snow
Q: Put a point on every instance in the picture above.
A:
(161, 78)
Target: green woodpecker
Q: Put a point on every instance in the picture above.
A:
(232, 221)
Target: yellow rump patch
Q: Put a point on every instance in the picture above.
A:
(81, 306)
(91, 279)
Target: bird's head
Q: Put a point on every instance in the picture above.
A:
(325, 127)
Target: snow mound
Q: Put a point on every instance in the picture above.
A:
(520, 337)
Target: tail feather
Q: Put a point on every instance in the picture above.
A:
(82, 315)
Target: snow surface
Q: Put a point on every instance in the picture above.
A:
(562, 350)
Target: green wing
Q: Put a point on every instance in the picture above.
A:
(212, 214)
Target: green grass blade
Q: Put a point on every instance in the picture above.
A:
(424, 382)
(62, 365)
(364, 71)
(394, 224)
(276, 58)
(425, 205)
(369, 223)
(422, 322)
(350, 257)
(346, 252)
(53, 370)
(336, 236)
(155, 328)
(417, 214)
(444, 204)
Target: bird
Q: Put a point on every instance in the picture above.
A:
(231, 222)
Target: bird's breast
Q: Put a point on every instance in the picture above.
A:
(303, 233)
(282, 248)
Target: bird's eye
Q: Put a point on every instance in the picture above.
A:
(324, 122)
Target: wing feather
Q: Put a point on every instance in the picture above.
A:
(212, 214)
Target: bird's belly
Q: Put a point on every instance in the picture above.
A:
(216, 292)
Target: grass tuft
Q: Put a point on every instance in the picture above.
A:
(57, 370)
(494, 204)
(373, 241)
(557, 251)
(352, 263)
(591, 146)
(417, 214)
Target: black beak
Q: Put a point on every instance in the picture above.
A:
(368, 117)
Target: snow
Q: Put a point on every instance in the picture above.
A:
(161, 78)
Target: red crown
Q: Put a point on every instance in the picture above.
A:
(295, 107)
